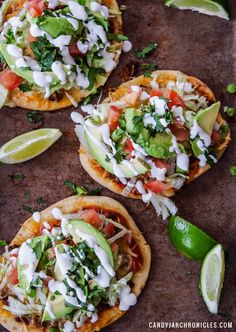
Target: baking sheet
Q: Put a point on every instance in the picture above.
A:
(199, 45)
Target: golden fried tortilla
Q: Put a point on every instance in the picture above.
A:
(100, 175)
(73, 204)
(35, 100)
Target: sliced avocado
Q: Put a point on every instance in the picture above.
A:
(57, 304)
(140, 166)
(206, 118)
(3, 95)
(133, 127)
(56, 26)
(157, 146)
(84, 227)
(39, 244)
(195, 148)
(58, 275)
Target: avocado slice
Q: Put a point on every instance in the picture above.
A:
(140, 166)
(206, 118)
(39, 244)
(56, 26)
(84, 227)
(157, 146)
(132, 127)
(58, 306)
(195, 148)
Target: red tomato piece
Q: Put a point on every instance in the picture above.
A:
(157, 186)
(74, 51)
(35, 7)
(109, 230)
(173, 96)
(128, 146)
(9, 79)
(46, 280)
(216, 137)
(92, 217)
(12, 276)
(161, 164)
(181, 133)
(113, 117)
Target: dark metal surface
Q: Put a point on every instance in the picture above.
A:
(199, 45)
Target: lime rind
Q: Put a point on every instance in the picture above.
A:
(212, 277)
(218, 8)
(28, 145)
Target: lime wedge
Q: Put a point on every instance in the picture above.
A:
(212, 277)
(28, 145)
(218, 8)
(188, 239)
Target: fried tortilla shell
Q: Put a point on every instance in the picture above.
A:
(162, 77)
(35, 100)
(73, 204)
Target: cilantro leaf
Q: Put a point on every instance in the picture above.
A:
(81, 191)
(17, 176)
(28, 208)
(25, 87)
(145, 51)
(70, 185)
(3, 243)
(148, 69)
(34, 116)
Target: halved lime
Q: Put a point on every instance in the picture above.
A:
(28, 145)
(188, 239)
(212, 277)
(218, 8)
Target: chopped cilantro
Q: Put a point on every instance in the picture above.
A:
(118, 157)
(147, 108)
(28, 208)
(81, 191)
(34, 116)
(24, 87)
(116, 37)
(232, 170)
(78, 190)
(70, 185)
(3, 243)
(17, 176)
(107, 159)
(96, 191)
(145, 51)
(148, 69)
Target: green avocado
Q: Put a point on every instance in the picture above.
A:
(206, 118)
(157, 146)
(133, 127)
(140, 166)
(39, 244)
(56, 26)
(84, 227)
(195, 148)
(58, 306)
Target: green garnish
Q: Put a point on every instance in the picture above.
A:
(28, 208)
(145, 51)
(233, 170)
(81, 191)
(24, 87)
(107, 159)
(45, 53)
(148, 69)
(3, 243)
(231, 88)
(116, 37)
(230, 111)
(34, 116)
(17, 176)
(118, 156)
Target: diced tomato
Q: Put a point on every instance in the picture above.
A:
(12, 276)
(74, 51)
(161, 164)
(128, 146)
(173, 96)
(109, 230)
(113, 117)
(132, 97)
(9, 79)
(30, 39)
(157, 186)
(216, 137)
(181, 133)
(35, 7)
(46, 280)
(92, 217)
